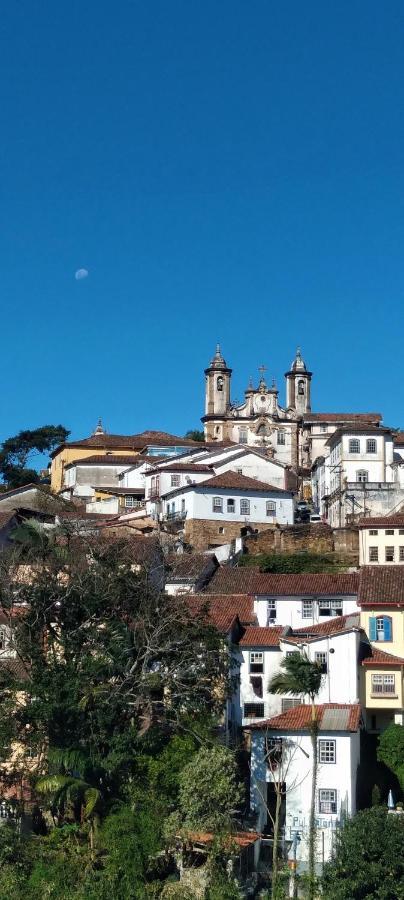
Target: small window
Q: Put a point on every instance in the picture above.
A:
(389, 554)
(401, 530)
(327, 801)
(371, 446)
(401, 554)
(380, 628)
(290, 703)
(221, 530)
(362, 475)
(231, 506)
(239, 471)
(330, 607)
(373, 554)
(326, 751)
(321, 661)
(130, 501)
(219, 383)
(383, 684)
(354, 446)
(389, 531)
(271, 612)
(244, 507)
(254, 711)
(300, 387)
(242, 436)
(323, 428)
(183, 505)
(271, 508)
(217, 504)
(307, 609)
(373, 531)
(256, 662)
(175, 480)
(280, 438)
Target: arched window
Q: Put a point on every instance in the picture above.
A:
(219, 383)
(354, 446)
(362, 475)
(300, 386)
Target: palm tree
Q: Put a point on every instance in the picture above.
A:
(299, 675)
(71, 787)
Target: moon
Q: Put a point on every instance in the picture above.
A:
(80, 274)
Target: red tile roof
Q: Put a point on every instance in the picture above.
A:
(184, 467)
(108, 459)
(396, 520)
(240, 838)
(222, 604)
(332, 626)
(342, 417)
(381, 586)
(261, 637)
(246, 580)
(381, 658)
(299, 718)
(234, 481)
(131, 441)
(190, 566)
(399, 438)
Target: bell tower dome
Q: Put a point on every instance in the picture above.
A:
(298, 384)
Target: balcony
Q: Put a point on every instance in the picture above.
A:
(175, 516)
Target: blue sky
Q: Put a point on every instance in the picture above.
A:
(225, 171)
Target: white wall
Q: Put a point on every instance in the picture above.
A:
(289, 610)
(381, 540)
(199, 505)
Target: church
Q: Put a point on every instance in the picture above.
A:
(291, 434)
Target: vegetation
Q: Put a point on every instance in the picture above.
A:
(121, 702)
(195, 435)
(369, 862)
(17, 451)
(391, 751)
(289, 563)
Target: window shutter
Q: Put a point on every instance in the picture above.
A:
(387, 628)
(372, 628)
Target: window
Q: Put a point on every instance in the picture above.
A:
(373, 554)
(383, 684)
(254, 711)
(271, 508)
(217, 504)
(300, 387)
(326, 751)
(320, 659)
(239, 471)
(362, 475)
(221, 530)
(231, 506)
(380, 628)
(242, 436)
(373, 531)
(354, 445)
(327, 800)
(330, 607)
(256, 662)
(389, 531)
(280, 438)
(307, 609)
(389, 554)
(130, 501)
(323, 428)
(290, 703)
(401, 554)
(219, 383)
(175, 480)
(183, 505)
(271, 611)
(401, 530)
(371, 446)
(244, 507)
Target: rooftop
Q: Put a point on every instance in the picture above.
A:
(222, 605)
(189, 566)
(235, 481)
(381, 586)
(381, 658)
(130, 441)
(106, 459)
(396, 520)
(330, 717)
(336, 625)
(246, 580)
(372, 417)
(262, 637)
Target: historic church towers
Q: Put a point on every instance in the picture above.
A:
(298, 381)
(217, 392)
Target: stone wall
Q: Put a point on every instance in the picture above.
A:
(306, 538)
(202, 534)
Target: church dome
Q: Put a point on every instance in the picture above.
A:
(218, 362)
(298, 364)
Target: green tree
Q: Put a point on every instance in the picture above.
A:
(210, 793)
(300, 676)
(369, 859)
(18, 450)
(391, 751)
(195, 435)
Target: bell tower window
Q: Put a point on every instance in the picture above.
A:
(300, 387)
(219, 383)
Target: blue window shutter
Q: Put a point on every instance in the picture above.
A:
(387, 628)
(372, 628)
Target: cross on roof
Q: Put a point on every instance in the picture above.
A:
(262, 370)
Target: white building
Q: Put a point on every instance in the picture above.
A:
(281, 751)
(381, 541)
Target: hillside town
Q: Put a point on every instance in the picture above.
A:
(206, 517)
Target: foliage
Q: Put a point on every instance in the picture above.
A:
(291, 562)
(16, 451)
(299, 676)
(391, 751)
(369, 861)
(195, 435)
(209, 791)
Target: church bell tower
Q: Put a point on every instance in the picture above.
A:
(298, 383)
(217, 394)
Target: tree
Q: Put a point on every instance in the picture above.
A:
(369, 859)
(210, 794)
(17, 451)
(303, 677)
(195, 435)
(391, 751)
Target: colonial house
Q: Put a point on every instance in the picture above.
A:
(281, 757)
(296, 600)
(381, 601)
(381, 540)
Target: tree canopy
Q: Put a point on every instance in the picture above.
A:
(16, 452)
(391, 751)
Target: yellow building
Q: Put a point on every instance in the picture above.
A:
(381, 598)
(100, 443)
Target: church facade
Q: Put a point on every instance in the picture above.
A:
(291, 434)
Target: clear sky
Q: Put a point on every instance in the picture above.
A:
(224, 170)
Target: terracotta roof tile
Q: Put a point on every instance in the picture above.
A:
(332, 626)
(299, 718)
(188, 566)
(246, 580)
(184, 467)
(342, 417)
(396, 520)
(261, 637)
(381, 586)
(130, 441)
(228, 606)
(399, 438)
(381, 658)
(237, 482)
(240, 838)
(105, 459)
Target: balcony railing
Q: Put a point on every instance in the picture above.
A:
(175, 516)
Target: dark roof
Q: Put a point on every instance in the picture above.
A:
(330, 717)
(342, 417)
(234, 481)
(381, 586)
(399, 438)
(261, 637)
(222, 605)
(396, 520)
(118, 491)
(183, 467)
(332, 626)
(106, 459)
(130, 441)
(190, 566)
(381, 658)
(228, 580)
